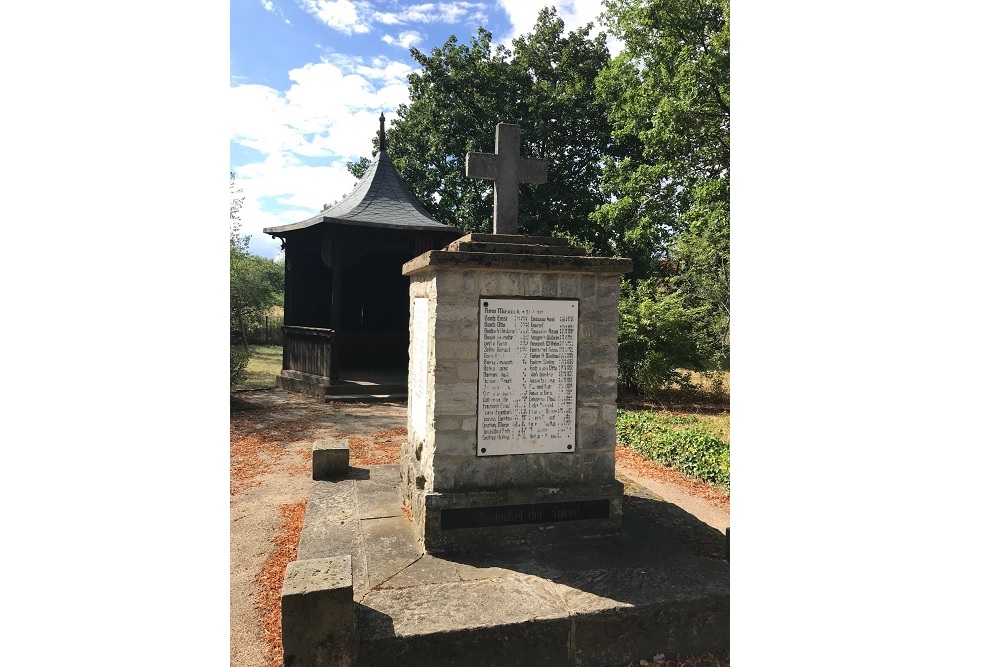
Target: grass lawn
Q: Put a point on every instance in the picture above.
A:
(264, 367)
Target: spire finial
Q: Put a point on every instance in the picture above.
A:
(381, 131)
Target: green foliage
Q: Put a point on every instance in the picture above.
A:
(239, 357)
(638, 151)
(658, 336)
(357, 170)
(546, 86)
(668, 98)
(663, 438)
(255, 283)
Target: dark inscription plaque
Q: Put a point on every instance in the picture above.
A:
(512, 515)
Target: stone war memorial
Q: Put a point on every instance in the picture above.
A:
(503, 536)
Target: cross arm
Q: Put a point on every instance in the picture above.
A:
(481, 165)
(532, 170)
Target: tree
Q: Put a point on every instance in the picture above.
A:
(546, 86)
(255, 283)
(668, 95)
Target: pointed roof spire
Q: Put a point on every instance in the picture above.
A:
(379, 199)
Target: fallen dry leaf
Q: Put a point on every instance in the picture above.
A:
(271, 579)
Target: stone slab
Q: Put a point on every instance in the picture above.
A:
(660, 586)
(390, 547)
(330, 458)
(515, 248)
(524, 239)
(378, 496)
(518, 262)
(318, 622)
(508, 621)
(331, 527)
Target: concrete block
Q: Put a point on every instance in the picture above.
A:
(318, 625)
(330, 459)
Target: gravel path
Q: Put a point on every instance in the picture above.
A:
(271, 435)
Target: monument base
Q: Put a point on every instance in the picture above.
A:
(472, 521)
(661, 585)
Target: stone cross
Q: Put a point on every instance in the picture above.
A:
(506, 168)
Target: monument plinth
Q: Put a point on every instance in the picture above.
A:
(513, 377)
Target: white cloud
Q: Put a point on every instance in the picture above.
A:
(574, 13)
(406, 39)
(329, 111)
(343, 15)
(435, 12)
(274, 9)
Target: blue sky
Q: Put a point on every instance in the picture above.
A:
(308, 79)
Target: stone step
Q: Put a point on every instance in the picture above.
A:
(516, 248)
(661, 586)
(514, 238)
(329, 398)
(348, 387)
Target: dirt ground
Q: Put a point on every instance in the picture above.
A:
(271, 435)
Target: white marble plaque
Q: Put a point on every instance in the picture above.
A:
(418, 372)
(527, 376)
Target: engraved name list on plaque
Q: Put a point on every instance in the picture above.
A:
(527, 376)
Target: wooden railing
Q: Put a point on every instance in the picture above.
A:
(310, 350)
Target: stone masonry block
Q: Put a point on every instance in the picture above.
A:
(446, 332)
(500, 284)
(462, 282)
(317, 613)
(457, 350)
(444, 371)
(447, 424)
(532, 283)
(444, 313)
(569, 285)
(609, 415)
(608, 290)
(605, 372)
(586, 417)
(598, 391)
(468, 370)
(455, 399)
(419, 288)
(330, 459)
(597, 438)
(458, 443)
(550, 285)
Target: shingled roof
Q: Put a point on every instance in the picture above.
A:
(378, 200)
